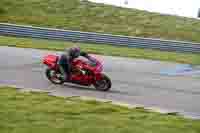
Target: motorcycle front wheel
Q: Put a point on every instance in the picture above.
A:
(104, 84)
(54, 76)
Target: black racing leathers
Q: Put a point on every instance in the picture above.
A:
(65, 63)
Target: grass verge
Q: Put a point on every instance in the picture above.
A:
(102, 49)
(87, 16)
(31, 112)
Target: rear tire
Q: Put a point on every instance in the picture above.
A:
(104, 84)
(52, 76)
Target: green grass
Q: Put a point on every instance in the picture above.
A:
(31, 112)
(102, 49)
(86, 16)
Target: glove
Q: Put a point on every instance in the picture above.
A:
(84, 54)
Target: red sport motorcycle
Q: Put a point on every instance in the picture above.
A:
(83, 72)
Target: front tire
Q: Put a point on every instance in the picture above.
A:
(104, 84)
(52, 76)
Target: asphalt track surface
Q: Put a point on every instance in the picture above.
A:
(135, 81)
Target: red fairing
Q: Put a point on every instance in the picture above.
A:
(98, 68)
(51, 61)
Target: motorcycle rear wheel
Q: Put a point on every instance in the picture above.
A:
(52, 76)
(104, 84)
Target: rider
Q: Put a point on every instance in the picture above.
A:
(66, 58)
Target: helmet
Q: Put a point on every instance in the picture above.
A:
(74, 52)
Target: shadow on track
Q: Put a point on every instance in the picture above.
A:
(88, 88)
